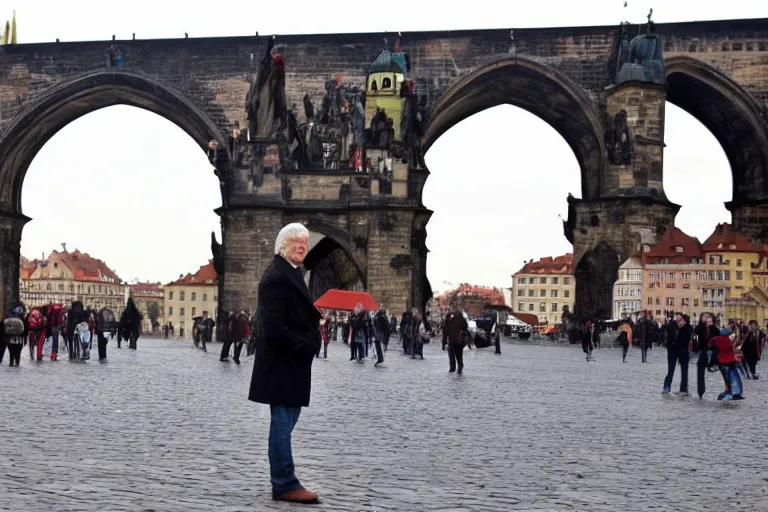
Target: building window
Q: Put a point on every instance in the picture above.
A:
(531, 280)
(554, 307)
(555, 280)
(686, 286)
(738, 262)
(194, 312)
(170, 310)
(521, 306)
(650, 301)
(181, 295)
(170, 295)
(542, 293)
(530, 307)
(566, 293)
(205, 297)
(194, 296)
(531, 293)
(61, 287)
(542, 280)
(181, 311)
(566, 281)
(520, 280)
(685, 302)
(671, 301)
(543, 307)
(553, 293)
(521, 293)
(739, 275)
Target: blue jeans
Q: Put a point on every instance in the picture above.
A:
(281, 468)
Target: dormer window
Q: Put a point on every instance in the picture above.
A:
(374, 86)
(386, 83)
(732, 247)
(678, 249)
(719, 246)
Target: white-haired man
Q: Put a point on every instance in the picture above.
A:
(287, 341)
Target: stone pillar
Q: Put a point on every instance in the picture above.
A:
(635, 140)
(751, 219)
(11, 226)
(248, 248)
(389, 261)
(604, 233)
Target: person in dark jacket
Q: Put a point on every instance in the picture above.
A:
(285, 349)
(644, 335)
(705, 331)
(381, 326)
(359, 332)
(678, 351)
(454, 336)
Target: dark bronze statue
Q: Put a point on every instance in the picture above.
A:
(266, 100)
(218, 258)
(645, 62)
(412, 129)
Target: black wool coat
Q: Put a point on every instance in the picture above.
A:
(288, 338)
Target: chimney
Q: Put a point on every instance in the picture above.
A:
(64, 246)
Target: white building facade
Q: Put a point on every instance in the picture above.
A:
(628, 289)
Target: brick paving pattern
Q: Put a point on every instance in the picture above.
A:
(168, 428)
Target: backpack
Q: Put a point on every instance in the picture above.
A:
(55, 314)
(14, 326)
(35, 319)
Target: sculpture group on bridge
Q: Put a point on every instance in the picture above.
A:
(362, 129)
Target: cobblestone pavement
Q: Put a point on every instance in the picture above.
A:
(537, 428)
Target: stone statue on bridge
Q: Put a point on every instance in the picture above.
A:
(266, 103)
(645, 62)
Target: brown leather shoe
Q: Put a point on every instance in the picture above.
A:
(298, 496)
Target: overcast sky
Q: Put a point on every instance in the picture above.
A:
(496, 200)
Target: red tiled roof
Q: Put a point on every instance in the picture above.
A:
(206, 275)
(82, 265)
(147, 287)
(561, 265)
(667, 248)
(725, 239)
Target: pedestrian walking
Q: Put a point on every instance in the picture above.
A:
(14, 334)
(454, 336)
(678, 352)
(705, 332)
(285, 349)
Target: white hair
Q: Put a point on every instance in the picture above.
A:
(291, 231)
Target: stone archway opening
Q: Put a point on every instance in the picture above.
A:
(737, 132)
(507, 146)
(329, 266)
(58, 166)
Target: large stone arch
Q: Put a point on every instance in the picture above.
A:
(733, 116)
(28, 132)
(539, 89)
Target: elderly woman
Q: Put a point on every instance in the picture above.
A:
(286, 345)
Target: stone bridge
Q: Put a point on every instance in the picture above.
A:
(343, 151)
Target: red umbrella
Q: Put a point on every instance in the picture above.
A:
(345, 300)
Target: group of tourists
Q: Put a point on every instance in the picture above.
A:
(365, 331)
(80, 327)
(734, 350)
